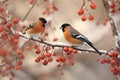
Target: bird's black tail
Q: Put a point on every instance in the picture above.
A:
(91, 45)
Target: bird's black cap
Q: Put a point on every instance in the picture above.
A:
(64, 25)
(43, 20)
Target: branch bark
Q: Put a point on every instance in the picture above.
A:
(56, 45)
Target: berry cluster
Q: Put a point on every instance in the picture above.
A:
(46, 55)
(113, 60)
(81, 11)
(112, 6)
(66, 57)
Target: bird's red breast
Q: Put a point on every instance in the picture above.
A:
(69, 38)
(38, 28)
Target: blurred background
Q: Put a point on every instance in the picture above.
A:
(86, 66)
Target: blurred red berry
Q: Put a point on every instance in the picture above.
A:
(37, 51)
(65, 49)
(93, 5)
(8, 25)
(16, 35)
(63, 59)
(1, 28)
(50, 59)
(80, 11)
(102, 60)
(15, 41)
(47, 54)
(3, 52)
(1, 9)
(70, 49)
(37, 60)
(58, 59)
(31, 1)
(3, 34)
(83, 18)
(113, 11)
(45, 62)
(15, 20)
(91, 17)
(17, 67)
(20, 63)
(42, 56)
(112, 5)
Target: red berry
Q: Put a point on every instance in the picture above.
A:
(3, 52)
(47, 54)
(31, 1)
(37, 60)
(91, 17)
(15, 41)
(28, 48)
(15, 20)
(75, 51)
(93, 5)
(3, 34)
(21, 56)
(112, 69)
(35, 46)
(54, 53)
(37, 51)
(42, 56)
(112, 5)
(20, 63)
(113, 62)
(102, 60)
(19, 52)
(58, 59)
(80, 11)
(63, 59)
(16, 35)
(83, 18)
(119, 8)
(45, 62)
(8, 25)
(1, 28)
(71, 62)
(70, 49)
(1, 9)
(113, 11)
(8, 67)
(65, 49)
(111, 54)
(50, 59)
(116, 53)
(9, 39)
(17, 67)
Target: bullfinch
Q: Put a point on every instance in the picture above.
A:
(36, 28)
(73, 36)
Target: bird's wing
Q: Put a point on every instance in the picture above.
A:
(74, 33)
(31, 25)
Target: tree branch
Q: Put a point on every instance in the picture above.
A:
(56, 45)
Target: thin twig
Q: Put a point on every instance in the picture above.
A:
(29, 10)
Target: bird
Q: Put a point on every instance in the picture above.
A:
(36, 28)
(73, 36)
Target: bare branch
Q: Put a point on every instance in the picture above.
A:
(56, 45)
(29, 10)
